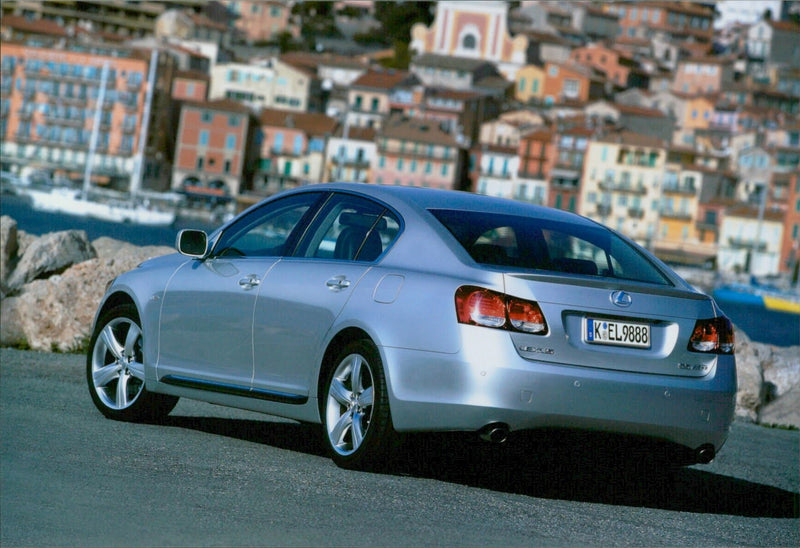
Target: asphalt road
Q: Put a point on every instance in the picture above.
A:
(215, 476)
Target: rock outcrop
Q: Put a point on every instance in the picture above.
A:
(56, 312)
(65, 277)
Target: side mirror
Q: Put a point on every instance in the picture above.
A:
(192, 243)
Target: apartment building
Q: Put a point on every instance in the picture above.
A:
(273, 83)
(570, 82)
(614, 65)
(750, 241)
(261, 20)
(292, 149)
(496, 171)
(621, 178)
(790, 249)
(350, 155)
(415, 152)
(57, 115)
(680, 21)
(565, 175)
(529, 85)
(214, 156)
(370, 96)
(190, 85)
(703, 75)
(537, 152)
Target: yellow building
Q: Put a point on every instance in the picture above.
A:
(529, 84)
(621, 184)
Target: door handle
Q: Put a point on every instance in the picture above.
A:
(250, 282)
(338, 283)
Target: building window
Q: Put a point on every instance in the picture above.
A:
(469, 42)
(206, 117)
(200, 162)
(230, 141)
(227, 166)
(203, 141)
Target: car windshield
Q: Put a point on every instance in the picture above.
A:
(533, 243)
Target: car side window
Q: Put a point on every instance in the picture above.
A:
(350, 228)
(269, 231)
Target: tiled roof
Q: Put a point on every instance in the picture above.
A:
(37, 26)
(226, 105)
(633, 139)
(639, 111)
(414, 129)
(317, 60)
(192, 75)
(310, 122)
(448, 62)
(385, 80)
(357, 133)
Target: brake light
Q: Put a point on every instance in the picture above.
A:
(713, 336)
(479, 306)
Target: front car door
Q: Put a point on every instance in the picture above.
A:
(206, 328)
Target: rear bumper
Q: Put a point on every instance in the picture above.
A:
(488, 382)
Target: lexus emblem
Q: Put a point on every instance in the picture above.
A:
(622, 299)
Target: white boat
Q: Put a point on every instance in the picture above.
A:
(69, 201)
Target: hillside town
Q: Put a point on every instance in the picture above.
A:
(676, 123)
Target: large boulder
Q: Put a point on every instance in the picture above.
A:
(57, 313)
(8, 245)
(50, 254)
(784, 411)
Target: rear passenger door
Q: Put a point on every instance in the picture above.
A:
(304, 294)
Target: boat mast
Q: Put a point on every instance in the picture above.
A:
(98, 113)
(138, 167)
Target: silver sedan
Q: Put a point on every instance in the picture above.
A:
(375, 310)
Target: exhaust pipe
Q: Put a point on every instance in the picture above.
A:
(494, 433)
(705, 453)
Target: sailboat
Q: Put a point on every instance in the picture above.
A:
(77, 202)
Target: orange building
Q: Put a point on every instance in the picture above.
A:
(610, 62)
(50, 103)
(214, 155)
(568, 82)
(190, 85)
(262, 20)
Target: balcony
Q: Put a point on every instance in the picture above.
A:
(623, 186)
(635, 212)
(604, 210)
(746, 243)
(688, 190)
(676, 215)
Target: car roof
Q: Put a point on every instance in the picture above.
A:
(429, 198)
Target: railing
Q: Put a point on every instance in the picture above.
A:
(623, 187)
(680, 189)
(677, 215)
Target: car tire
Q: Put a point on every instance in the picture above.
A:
(115, 369)
(356, 421)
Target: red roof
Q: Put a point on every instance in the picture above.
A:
(37, 26)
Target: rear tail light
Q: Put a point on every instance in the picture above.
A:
(479, 306)
(713, 336)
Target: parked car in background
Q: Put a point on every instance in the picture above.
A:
(376, 310)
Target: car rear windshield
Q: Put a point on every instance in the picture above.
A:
(532, 243)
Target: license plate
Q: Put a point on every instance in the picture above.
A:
(636, 335)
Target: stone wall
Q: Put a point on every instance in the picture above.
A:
(50, 287)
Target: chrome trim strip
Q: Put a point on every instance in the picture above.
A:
(234, 390)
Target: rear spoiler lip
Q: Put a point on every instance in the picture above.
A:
(611, 284)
